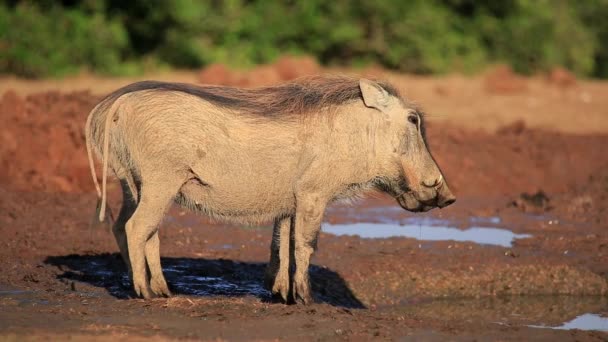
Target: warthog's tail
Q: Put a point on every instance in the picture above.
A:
(101, 193)
(88, 137)
(87, 134)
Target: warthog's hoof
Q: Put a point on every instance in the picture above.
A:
(159, 287)
(143, 291)
(301, 292)
(280, 289)
(277, 282)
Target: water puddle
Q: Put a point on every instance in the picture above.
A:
(426, 230)
(546, 312)
(183, 282)
(22, 297)
(395, 214)
(586, 321)
(391, 221)
(485, 220)
(10, 293)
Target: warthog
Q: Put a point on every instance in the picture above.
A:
(278, 153)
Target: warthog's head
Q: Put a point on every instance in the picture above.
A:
(413, 178)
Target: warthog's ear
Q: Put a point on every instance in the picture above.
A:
(374, 96)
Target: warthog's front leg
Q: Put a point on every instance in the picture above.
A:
(277, 273)
(309, 214)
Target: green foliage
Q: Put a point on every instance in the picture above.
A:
(535, 35)
(57, 41)
(593, 14)
(44, 37)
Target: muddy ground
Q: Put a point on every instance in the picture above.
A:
(526, 155)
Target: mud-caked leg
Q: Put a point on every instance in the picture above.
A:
(277, 272)
(158, 284)
(309, 214)
(156, 196)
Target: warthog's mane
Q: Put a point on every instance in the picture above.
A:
(305, 95)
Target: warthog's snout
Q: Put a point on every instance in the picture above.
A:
(434, 194)
(445, 197)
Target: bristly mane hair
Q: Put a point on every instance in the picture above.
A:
(301, 96)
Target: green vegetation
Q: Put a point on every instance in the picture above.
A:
(52, 38)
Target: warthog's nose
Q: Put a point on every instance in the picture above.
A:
(433, 183)
(445, 201)
(445, 197)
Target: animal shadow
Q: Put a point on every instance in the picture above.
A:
(197, 277)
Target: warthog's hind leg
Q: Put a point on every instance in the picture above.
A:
(156, 196)
(158, 284)
(277, 273)
(127, 209)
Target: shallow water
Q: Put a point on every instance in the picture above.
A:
(9, 293)
(426, 232)
(197, 285)
(22, 297)
(586, 321)
(548, 312)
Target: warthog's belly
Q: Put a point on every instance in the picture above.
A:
(239, 206)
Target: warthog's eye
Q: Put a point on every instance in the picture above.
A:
(413, 119)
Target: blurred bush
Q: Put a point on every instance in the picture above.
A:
(37, 41)
(50, 38)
